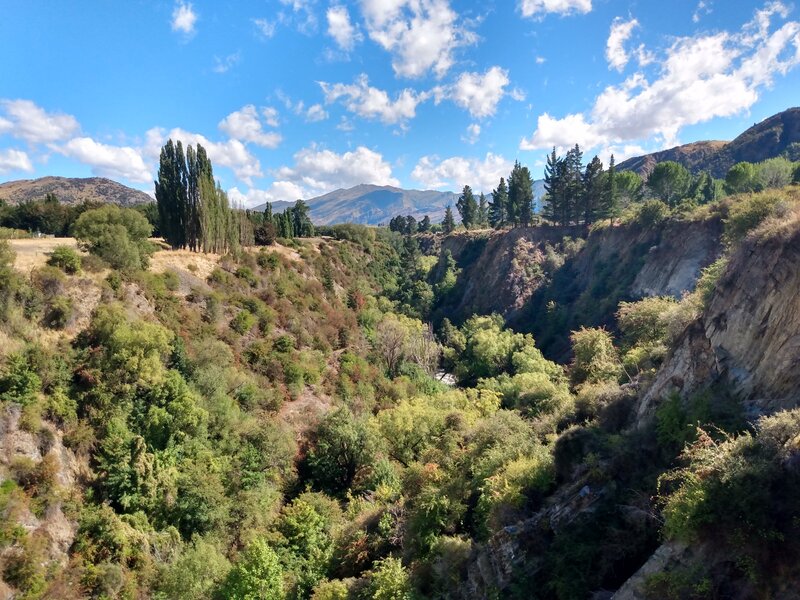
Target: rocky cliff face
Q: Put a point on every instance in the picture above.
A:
(748, 337)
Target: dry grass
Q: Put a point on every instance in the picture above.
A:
(33, 253)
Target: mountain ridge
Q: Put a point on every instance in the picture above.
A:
(774, 136)
(72, 190)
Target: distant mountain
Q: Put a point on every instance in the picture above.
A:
(72, 191)
(777, 135)
(377, 204)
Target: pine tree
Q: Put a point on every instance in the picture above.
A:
(609, 206)
(449, 223)
(483, 211)
(425, 224)
(573, 185)
(467, 208)
(552, 184)
(593, 191)
(498, 205)
(520, 196)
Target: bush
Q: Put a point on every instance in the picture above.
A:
(257, 574)
(595, 358)
(651, 213)
(243, 322)
(747, 214)
(66, 259)
(58, 313)
(19, 383)
(117, 235)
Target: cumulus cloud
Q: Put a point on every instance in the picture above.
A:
(701, 77)
(478, 93)
(318, 171)
(316, 113)
(14, 160)
(534, 8)
(245, 125)
(621, 31)
(455, 172)
(27, 121)
(184, 18)
(232, 154)
(341, 29)
(108, 161)
(421, 35)
(372, 103)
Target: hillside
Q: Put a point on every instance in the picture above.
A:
(376, 205)
(70, 190)
(768, 139)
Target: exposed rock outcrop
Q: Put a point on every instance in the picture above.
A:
(749, 335)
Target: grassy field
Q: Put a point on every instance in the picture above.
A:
(32, 253)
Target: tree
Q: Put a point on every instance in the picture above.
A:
(117, 235)
(390, 581)
(629, 188)
(669, 182)
(703, 188)
(742, 178)
(553, 187)
(520, 195)
(573, 184)
(483, 211)
(595, 358)
(775, 172)
(425, 224)
(257, 575)
(467, 208)
(301, 221)
(343, 446)
(593, 191)
(449, 223)
(498, 205)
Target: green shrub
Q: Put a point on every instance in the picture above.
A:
(595, 358)
(243, 322)
(651, 213)
(117, 235)
(19, 382)
(257, 574)
(58, 312)
(66, 259)
(748, 213)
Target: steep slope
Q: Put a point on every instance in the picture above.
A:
(71, 190)
(749, 335)
(768, 139)
(548, 281)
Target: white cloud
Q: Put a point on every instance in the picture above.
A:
(302, 16)
(478, 93)
(245, 125)
(14, 160)
(316, 113)
(540, 60)
(702, 77)
(31, 123)
(317, 171)
(532, 8)
(703, 8)
(473, 133)
(456, 172)
(621, 31)
(223, 65)
(108, 161)
(265, 28)
(232, 154)
(270, 115)
(372, 103)
(421, 35)
(341, 29)
(184, 18)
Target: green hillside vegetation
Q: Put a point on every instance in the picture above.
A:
(278, 429)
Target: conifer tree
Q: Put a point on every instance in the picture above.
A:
(520, 196)
(467, 208)
(552, 183)
(498, 205)
(483, 211)
(593, 191)
(608, 207)
(449, 223)
(573, 185)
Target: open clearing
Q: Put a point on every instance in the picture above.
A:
(32, 253)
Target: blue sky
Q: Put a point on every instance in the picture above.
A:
(295, 98)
